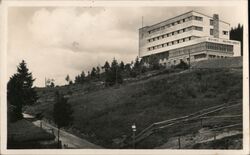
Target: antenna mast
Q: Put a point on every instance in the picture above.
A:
(142, 21)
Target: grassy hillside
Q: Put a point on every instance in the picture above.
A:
(106, 114)
(230, 62)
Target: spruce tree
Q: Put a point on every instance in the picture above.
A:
(62, 113)
(20, 90)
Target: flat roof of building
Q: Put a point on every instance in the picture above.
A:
(182, 15)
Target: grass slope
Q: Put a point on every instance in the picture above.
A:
(108, 114)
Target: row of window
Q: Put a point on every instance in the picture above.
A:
(200, 47)
(219, 47)
(171, 43)
(203, 55)
(198, 56)
(177, 22)
(198, 28)
(188, 49)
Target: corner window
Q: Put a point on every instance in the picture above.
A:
(225, 32)
(198, 18)
(211, 31)
(198, 28)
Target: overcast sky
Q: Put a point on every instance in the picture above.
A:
(67, 40)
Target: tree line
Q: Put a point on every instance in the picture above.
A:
(236, 33)
(114, 72)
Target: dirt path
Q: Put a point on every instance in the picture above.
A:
(68, 140)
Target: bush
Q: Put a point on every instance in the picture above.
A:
(182, 65)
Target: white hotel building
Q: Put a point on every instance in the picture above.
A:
(191, 35)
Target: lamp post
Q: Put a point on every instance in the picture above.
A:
(134, 130)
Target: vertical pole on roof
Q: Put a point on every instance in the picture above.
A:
(142, 21)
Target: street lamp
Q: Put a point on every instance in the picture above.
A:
(134, 130)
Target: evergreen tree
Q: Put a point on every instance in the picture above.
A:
(137, 64)
(106, 66)
(98, 72)
(62, 113)
(80, 79)
(136, 70)
(93, 73)
(20, 90)
(122, 66)
(237, 34)
(113, 75)
(68, 79)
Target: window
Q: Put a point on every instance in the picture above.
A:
(198, 28)
(172, 33)
(189, 38)
(178, 22)
(211, 22)
(211, 31)
(198, 18)
(225, 32)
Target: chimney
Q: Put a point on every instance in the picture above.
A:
(216, 25)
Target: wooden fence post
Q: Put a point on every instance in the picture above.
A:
(179, 142)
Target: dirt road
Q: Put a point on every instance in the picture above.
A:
(68, 140)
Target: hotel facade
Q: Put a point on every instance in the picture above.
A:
(189, 37)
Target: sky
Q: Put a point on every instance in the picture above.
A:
(60, 41)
